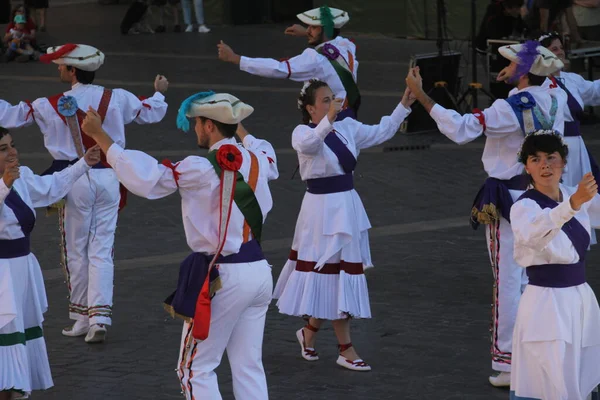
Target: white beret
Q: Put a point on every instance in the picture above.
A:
(81, 56)
(545, 63)
(313, 17)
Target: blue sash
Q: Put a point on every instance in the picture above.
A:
(560, 275)
(523, 101)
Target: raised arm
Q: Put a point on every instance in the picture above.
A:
(535, 228)
(48, 189)
(144, 110)
(497, 121)
(366, 136)
(16, 116)
(303, 67)
(589, 91)
(262, 149)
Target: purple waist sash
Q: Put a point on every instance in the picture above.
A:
(560, 275)
(496, 192)
(192, 274)
(557, 275)
(572, 128)
(330, 184)
(14, 248)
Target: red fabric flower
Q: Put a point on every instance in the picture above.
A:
(229, 157)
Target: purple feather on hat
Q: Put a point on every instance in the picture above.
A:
(526, 58)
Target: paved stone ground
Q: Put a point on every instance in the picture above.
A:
(430, 290)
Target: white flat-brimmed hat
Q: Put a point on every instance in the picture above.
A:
(314, 17)
(81, 56)
(541, 61)
(221, 107)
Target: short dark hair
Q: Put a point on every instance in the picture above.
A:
(3, 132)
(227, 130)
(536, 80)
(85, 77)
(546, 143)
(552, 36)
(308, 97)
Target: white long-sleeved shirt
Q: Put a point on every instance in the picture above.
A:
(587, 93)
(36, 191)
(307, 65)
(538, 234)
(199, 187)
(317, 160)
(504, 135)
(124, 108)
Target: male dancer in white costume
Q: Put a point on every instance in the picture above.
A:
(89, 217)
(505, 123)
(225, 199)
(330, 58)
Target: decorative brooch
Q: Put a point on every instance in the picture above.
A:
(330, 51)
(229, 157)
(67, 106)
(525, 101)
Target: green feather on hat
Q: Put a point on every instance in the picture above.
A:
(327, 21)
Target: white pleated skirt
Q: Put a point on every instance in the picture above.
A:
(24, 362)
(324, 275)
(556, 344)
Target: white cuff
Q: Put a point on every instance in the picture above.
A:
(4, 190)
(400, 113)
(324, 127)
(244, 61)
(158, 96)
(247, 141)
(80, 167)
(562, 213)
(437, 112)
(113, 154)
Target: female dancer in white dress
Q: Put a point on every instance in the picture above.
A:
(23, 358)
(556, 345)
(324, 276)
(581, 93)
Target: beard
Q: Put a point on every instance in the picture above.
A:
(317, 41)
(203, 143)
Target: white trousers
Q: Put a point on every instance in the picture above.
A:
(510, 280)
(238, 312)
(90, 221)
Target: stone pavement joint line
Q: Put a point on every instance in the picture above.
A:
(278, 244)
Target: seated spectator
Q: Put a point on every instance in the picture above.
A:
(18, 41)
(29, 24)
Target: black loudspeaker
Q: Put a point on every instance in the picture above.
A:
(4, 11)
(440, 81)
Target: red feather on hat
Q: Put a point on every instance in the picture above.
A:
(65, 49)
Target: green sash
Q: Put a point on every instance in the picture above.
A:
(352, 92)
(244, 198)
